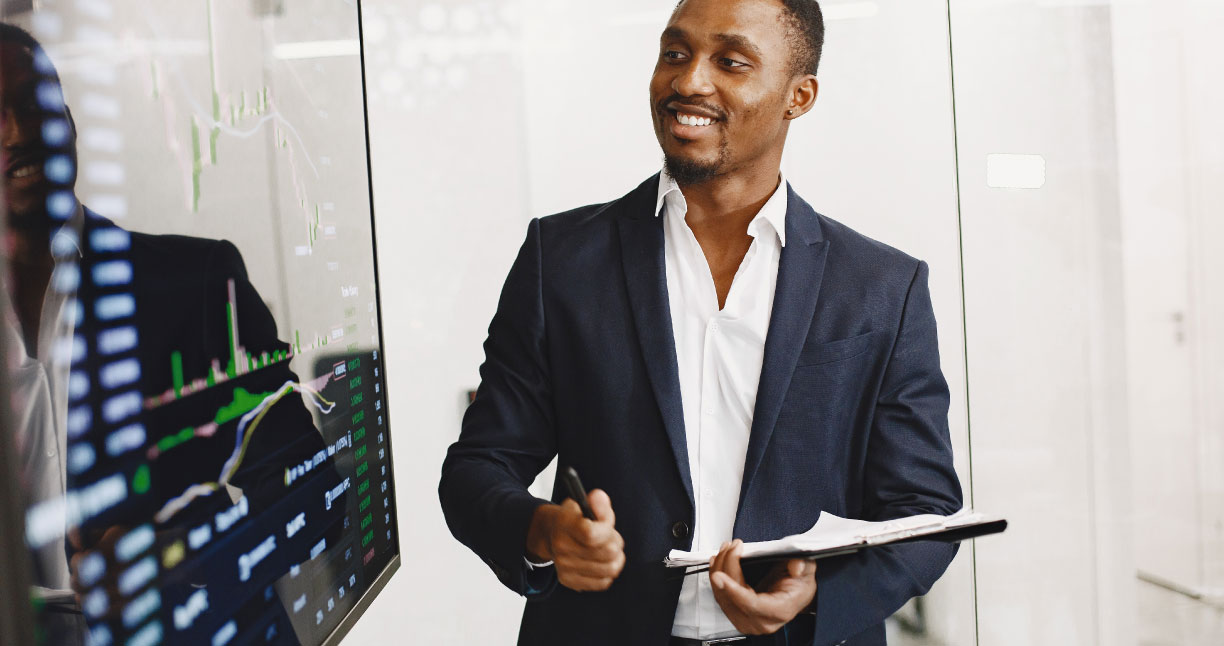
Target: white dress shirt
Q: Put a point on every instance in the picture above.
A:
(719, 355)
(39, 384)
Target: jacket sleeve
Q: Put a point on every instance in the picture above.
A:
(908, 471)
(508, 434)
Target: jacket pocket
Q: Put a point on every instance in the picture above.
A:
(816, 354)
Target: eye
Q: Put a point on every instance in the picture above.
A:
(731, 63)
(673, 54)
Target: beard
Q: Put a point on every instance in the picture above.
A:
(24, 213)
(689, 172)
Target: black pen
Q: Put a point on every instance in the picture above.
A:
(577, 491)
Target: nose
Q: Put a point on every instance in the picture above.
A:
(16, 126)
(693, 80)
(8, 122)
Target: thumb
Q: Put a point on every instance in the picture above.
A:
(741, 595)
(601, 504)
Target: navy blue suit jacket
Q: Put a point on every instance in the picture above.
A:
(850, 418)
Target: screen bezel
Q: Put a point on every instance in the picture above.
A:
(376, 586)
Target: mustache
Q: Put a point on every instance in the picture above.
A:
(24, 149)
(12, 157)
(680, 101)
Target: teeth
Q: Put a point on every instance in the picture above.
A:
(25, 171)
(693, 120)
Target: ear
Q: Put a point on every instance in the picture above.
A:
(802, 96)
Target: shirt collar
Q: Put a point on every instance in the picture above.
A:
(772, 214)
(66, 240)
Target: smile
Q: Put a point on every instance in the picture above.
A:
(693, 120)
(23, 171)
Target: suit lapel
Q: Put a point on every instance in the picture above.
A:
(800, 270)
(641, 236)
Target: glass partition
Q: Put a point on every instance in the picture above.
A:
(1090, 160)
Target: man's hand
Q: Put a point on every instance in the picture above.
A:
(784, 593)
(588, 554)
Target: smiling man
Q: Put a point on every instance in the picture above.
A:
(722, 364)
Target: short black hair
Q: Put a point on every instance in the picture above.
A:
(805, 32)
(13, 34)
(10, 33)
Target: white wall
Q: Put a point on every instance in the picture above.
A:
(446, 109)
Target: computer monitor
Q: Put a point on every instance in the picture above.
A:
(192, 323)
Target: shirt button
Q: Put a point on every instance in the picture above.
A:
(680, 530)
(713, 327)
(709, 411)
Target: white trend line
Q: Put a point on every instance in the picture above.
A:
(177, 504)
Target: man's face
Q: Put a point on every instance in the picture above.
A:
(25, 153)
(721, 85)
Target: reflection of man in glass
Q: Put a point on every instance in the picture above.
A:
(35, 317)
(142, 358)
(722, 363)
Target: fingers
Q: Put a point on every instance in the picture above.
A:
(796, 568)
(733, 595)
(731, 564)
(727, 576)
(588, 546)
(601, 504)
(587, 566)
(582, 583)
(738, 601)
(570, 507)
(743, 597)
(801, 568)
(588, 555)
(716, 562)
(722, 562)
(587, 532)
(593, 536)
(792, 579)
(787, 590)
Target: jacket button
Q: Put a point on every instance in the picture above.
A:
(680, 530)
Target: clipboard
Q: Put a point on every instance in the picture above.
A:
(953, 529)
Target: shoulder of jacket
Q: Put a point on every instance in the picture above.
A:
(863, 249)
